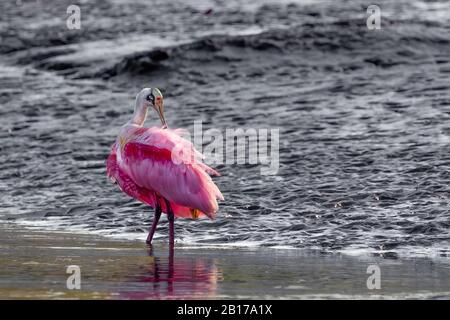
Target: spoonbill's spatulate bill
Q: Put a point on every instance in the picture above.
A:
(158, 167)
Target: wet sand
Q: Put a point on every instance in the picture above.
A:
(33, 266)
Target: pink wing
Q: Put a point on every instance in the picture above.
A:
(127, 185)
(160, 161)
(125, 182)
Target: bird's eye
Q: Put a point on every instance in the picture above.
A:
(150, 97)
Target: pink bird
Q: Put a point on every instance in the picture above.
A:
(158, 167)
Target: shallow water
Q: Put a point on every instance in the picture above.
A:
(363, 117)
(113, 269)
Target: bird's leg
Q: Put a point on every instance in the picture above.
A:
(170, 272)
(171, 218)
(155, 222)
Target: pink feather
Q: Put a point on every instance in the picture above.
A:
(151, 162)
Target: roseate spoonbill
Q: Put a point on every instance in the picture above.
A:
(158, 167)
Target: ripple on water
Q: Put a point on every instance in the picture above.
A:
(363, 119)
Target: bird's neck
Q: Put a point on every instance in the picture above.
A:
(139, 115)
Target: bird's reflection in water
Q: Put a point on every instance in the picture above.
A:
(177, 277)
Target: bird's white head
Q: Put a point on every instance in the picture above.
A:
(148, 97)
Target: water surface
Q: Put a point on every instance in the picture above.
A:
(33, 265)
(363, 117)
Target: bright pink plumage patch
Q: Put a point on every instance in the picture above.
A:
(142, 151)
(151, 162)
